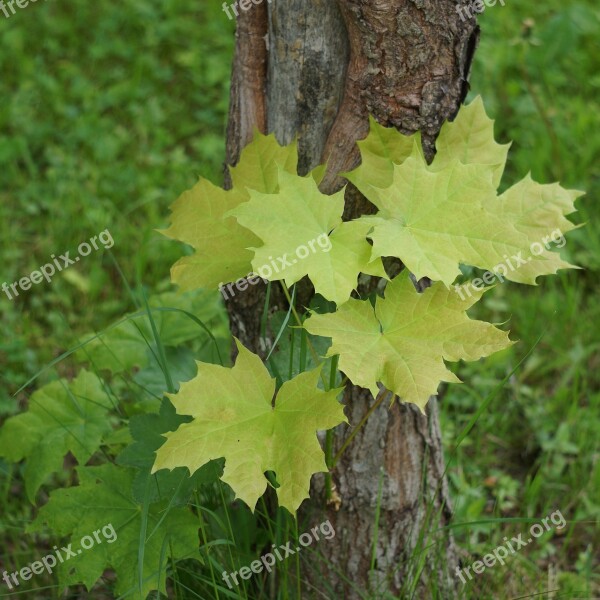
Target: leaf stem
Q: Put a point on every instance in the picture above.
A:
(376, 404)
(313, 352)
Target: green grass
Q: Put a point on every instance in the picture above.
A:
(109, 111)
(535, 450)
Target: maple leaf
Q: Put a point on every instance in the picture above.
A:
(200, 217)
(435, 220)
(300, 216)
(175, 486)
(469, 138)
(260, 161)
(435, 217)
(404, 340)
(380, 150)
(103, 498)
(234, 418)
(220, 242)
(62, 417)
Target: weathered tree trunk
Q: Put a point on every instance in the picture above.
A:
(317, 69)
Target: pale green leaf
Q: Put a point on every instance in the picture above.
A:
(403, 342)
(538, 209)
(435, 220)
(220, 242)
(380, 150)
(470, 139)
(234, 417)
(303, 234)
(435, 217)
(260, 161)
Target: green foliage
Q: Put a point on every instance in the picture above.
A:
(176, 486)
(80, 417)
(148, 535)
(432, 217)
(403, 340)
(237, 416)
(240, 424)
(178, 318)
(63, 417)
(435, 217)
(292, 354)
(105, 112)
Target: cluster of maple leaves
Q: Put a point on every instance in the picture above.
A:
(433, 217)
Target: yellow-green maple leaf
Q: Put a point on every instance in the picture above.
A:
(380, 150)
(200, 217)
(435, 220)
(469, 138)
(298, 217)
(435, 217)
(220, 242)
(539, 212)
(260, 162)
(235, 418)
(404, 340)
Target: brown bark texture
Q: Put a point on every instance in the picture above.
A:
(317, 69)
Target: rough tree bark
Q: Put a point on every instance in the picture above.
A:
(317, 69)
